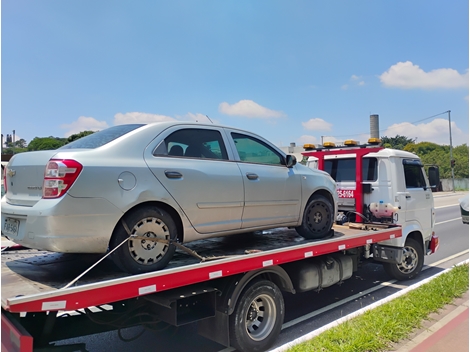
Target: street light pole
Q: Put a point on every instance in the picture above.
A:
(451, 163)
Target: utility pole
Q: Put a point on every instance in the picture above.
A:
(452, 162)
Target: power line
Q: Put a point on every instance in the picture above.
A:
(359, 134)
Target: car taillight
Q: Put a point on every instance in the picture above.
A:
(5, 179)
(59, 176)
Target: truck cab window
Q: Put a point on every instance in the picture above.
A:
(345, 169)
(414, 177)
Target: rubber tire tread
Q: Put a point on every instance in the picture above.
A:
(239, 338)
(392, 269)
(304, 230)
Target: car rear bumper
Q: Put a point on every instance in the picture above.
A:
(69, 225)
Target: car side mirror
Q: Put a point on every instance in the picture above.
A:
(291, 160)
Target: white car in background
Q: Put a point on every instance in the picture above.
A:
(464, 209)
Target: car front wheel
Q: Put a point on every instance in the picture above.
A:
(411, 263)
(317, 219)
(150, 250)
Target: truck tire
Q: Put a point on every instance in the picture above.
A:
(141, 256)
(317, 219)
(411, 264)
(257, 318)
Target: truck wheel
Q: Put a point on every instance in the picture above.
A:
(257, 319)
(411, 264)
(318, 219)
(140, 255)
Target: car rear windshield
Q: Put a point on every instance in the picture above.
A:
(100, 138)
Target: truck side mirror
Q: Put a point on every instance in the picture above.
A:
(434, 180)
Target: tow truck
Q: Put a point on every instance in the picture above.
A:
(231, 287)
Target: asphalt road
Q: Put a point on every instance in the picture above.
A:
(311, 310)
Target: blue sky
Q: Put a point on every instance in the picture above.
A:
(291, 71)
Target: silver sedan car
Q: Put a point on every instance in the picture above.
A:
(142, 188)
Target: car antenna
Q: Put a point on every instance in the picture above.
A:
(209, 119)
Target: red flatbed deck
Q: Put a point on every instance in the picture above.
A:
(35, 281)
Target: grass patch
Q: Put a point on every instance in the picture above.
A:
(377, 329)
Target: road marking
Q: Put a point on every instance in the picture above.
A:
(336, 304)
(445, 259)
(443, 222)
(447, 206)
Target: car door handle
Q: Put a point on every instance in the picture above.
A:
(173, 174)
(251, 176)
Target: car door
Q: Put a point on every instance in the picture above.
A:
(193, 165)
(418, 194)
(272, 190)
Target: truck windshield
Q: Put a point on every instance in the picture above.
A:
(101, 138)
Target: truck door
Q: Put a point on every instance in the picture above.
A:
(418, 196)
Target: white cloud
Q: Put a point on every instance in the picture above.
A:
(408, 76)
(357, 80)
(139, 117)
(306, 139)
(248, 108)
(317, 124)
(436, 131)
(84, 123)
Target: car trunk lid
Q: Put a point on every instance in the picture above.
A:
(25, 177)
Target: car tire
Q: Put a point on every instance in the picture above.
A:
(317, 219)
(411, 264)
(257, 319)
(141, 256)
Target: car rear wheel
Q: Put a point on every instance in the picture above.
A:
(144, 254)
(317, 219)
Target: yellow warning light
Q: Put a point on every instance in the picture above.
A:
(374, 141)
(350, 142)
(329, 145)
(309, 146)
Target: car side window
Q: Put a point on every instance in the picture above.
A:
(193, 143)
(252, 150)
(414, 177)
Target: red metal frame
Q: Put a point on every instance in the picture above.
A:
(360, 153)
(15, 338)
(134, 286)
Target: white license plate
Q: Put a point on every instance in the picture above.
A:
(10, 227)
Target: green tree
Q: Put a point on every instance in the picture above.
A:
(76, 136)
(434, 154)
(397, 142)
(46, 143)
(16, 147)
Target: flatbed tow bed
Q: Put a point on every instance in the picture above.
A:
(37, 281)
